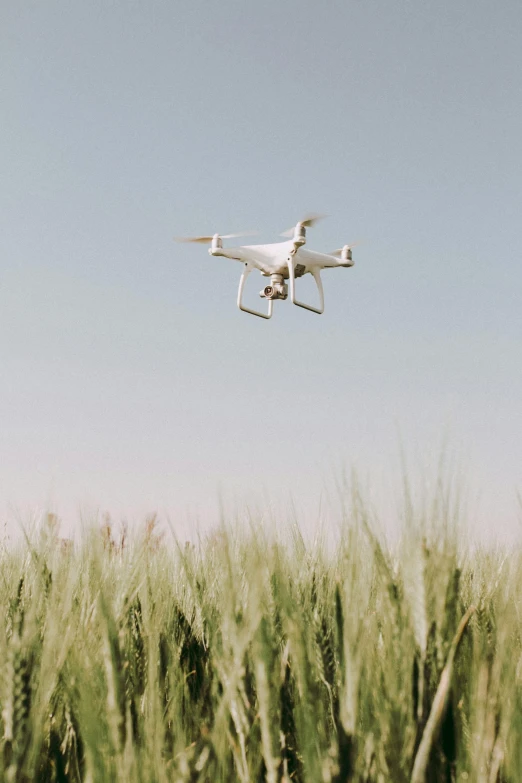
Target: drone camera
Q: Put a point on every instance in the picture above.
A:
(277, 289)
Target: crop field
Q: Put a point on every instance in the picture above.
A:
(250, 657)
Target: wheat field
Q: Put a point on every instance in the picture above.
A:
(249, 657)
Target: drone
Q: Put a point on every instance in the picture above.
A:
(280, 261)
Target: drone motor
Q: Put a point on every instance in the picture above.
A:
(299, 235)
(346, 256)
(217, 243)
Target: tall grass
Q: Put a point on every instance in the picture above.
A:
(251, 659)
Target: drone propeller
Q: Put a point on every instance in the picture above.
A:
(339, 252)
(206, 240)
(307, 222)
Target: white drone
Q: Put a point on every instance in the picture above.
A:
(280, 261)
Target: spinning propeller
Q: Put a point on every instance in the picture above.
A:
(338, 253)
(307, 221)
(205, 240)
(344, 254)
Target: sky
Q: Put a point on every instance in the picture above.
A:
(130, 381)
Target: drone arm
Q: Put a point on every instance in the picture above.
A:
(246, 272)
(317, 277)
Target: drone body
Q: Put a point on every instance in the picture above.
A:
(280, 261)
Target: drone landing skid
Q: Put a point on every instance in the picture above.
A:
(244, 276)
(291, 274)
(319, 283)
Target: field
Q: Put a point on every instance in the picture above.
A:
(255, 658)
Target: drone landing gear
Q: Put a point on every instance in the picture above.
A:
(319, 283)
(246, 272)
(278, 290)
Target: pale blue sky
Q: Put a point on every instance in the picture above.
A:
(129, 379)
